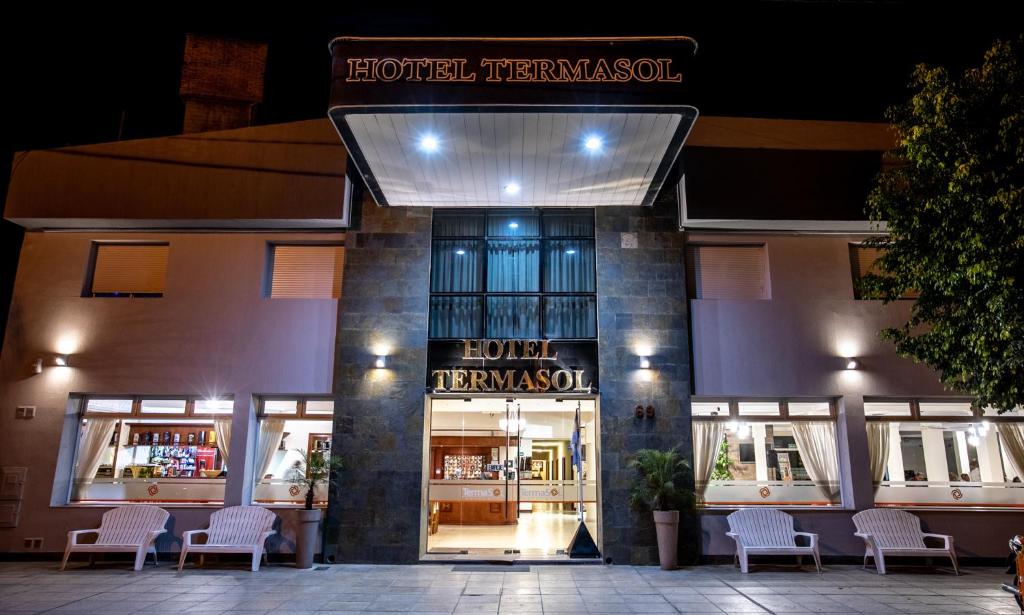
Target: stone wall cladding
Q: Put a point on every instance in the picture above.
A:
(374, 509)
(641, 302)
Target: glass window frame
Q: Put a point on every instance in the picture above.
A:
(136, 411)
(541, 238)
(300, 407)
(733, 404)
(916, 417)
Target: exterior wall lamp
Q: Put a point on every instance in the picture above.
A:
(61, 360)
(645, 363)
(37, 366)
(852, 363)
(381, 362)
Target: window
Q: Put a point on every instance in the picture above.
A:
(944, 453)
(513, 273)
(152, 449)
(306, 271)
(863, 260)
(128, 270)
(765, 452)
(727, 272)
(289, 427)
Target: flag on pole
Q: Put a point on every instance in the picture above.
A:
(577, 458)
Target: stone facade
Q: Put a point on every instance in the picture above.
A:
(642, 309)
(374, 507)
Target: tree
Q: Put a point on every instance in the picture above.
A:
(954, 216)
(723, 467)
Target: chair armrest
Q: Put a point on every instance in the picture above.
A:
(74, 534)
(186, 537)
(813, 538)
(869, 539)
(733, 535)
(154, 533)
(265, 535)
(946, 539)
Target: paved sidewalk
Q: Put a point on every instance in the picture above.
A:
(111, 590)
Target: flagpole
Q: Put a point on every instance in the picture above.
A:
(579, 460)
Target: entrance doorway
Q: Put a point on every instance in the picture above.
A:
(499, 478)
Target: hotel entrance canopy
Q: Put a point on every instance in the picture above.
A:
(478, 122)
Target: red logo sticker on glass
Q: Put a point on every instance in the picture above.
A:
(765, 492)
(153, 490)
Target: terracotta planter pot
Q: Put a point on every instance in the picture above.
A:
(308, 527)
(666, 523)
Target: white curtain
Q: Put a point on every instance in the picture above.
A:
(1013, 444)
(816, 442)
(271, 432)
(95, 440)
(878, 449)
(707, 439)
(222, 427)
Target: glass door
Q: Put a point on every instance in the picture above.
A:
(501, 477)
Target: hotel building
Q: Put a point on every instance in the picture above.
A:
(485, 239)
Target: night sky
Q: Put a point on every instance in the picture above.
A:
(79, 76)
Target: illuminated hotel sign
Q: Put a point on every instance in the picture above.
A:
(542, 373)
(432, 72)
(513, 70)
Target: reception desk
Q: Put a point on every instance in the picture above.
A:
(493, 502)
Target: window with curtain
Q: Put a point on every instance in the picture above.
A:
(934, 452)
(727, 272)
(306, 271)
(128, 270)
(289, 428)
(765, 452)
(513, 273)
(152, 449)
(863, 260)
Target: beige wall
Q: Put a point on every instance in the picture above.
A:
(213, 332)
(794, 343)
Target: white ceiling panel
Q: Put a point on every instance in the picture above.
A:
(480, 156)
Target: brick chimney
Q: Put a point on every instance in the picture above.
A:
(221, 82)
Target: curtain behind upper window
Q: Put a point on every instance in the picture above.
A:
(513, 317)
(569, 266)
(513, 265)
(455, 266)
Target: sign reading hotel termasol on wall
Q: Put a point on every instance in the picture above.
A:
(509, 71)
(511, 366)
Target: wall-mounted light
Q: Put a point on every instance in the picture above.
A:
(381, 362)
(37, 366)
(852, 363)
(645, 363)
(61, 360)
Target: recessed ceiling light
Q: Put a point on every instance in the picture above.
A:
(570, 251)
(460, 251)
(593, 143)
(429, 143)
(512, 188)
(513, 225)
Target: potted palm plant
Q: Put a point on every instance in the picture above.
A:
(314, 469)
(662, 477)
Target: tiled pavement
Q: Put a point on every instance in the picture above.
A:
(111, 590)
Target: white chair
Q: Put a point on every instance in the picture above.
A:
(768, 531)
(124, 529)
(887, 531)
(236, 529)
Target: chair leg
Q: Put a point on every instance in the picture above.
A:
(865, 565)
(744, 568)
(800, 561)
(153, 551)
(67, 554)
(879, 562)
(952, 558)
(184, 554)
(817, 560)
(256, 555)
(266, 560)
(140, 558)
